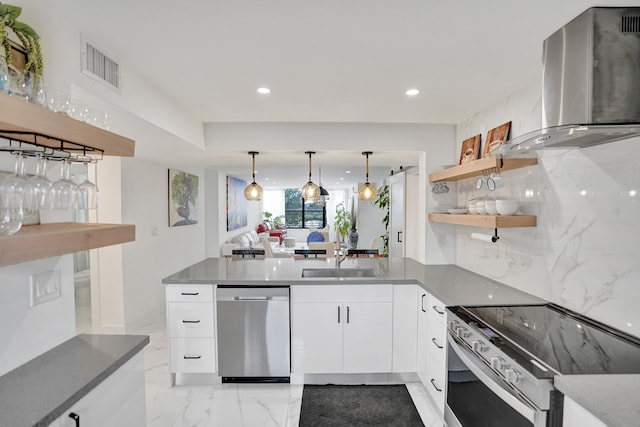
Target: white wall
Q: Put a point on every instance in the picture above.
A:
(584, 252)
(159, 250)
(27, 331)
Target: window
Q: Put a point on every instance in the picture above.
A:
(301, 214)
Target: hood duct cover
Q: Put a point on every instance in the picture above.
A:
(590, 82)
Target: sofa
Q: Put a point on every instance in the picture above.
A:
(248, 239)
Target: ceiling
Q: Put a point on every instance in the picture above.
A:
(330, 60)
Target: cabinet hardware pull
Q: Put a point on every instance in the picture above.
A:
(192, 357)
(347, 314)
(193, 294)
(422, 303)
(75, 417)
(433, 340)
(437, 311)
(434, 385)
(190, 321)
(399, 234)
(338, 314)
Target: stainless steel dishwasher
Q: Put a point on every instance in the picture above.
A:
(253, 334)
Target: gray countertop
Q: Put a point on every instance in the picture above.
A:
(41, 390)
(613, 399)
(451, 284)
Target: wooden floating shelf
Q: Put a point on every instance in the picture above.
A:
(486, 221)
(21, 116)
(47, 240)
(477, 167)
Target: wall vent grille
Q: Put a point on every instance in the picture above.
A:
(98, 65)
(630, 24)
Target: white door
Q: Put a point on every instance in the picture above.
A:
(316, 337)
(396, 215)
(423, 337)
(368, 337)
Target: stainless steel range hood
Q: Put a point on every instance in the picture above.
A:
(590, 82)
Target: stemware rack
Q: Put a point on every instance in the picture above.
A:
(30, 129)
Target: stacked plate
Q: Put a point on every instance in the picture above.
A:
(442, 209)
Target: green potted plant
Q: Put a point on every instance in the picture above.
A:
(382, 201)
(342, 222)
(267, 219)
(30, 42)
(279, 222)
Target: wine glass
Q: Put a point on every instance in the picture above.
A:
(87, 194)
(11, 199)
(38, 192)
(64, 190)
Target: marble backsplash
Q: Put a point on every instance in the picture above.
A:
(584, 253)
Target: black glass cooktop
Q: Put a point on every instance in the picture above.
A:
(566, 341)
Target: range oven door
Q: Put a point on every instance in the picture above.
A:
(478, 397)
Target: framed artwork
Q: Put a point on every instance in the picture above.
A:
(183, 198)
(495, 138)
(470, 149)
(236, 204)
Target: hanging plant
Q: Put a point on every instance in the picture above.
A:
(28, 37)
(382, 201)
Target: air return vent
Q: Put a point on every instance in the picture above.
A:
(100, 66)
(630, 24)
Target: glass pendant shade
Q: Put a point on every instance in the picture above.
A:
(367, 191)
(310, 191)
(253, 192)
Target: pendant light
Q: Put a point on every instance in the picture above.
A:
(253, 191)
(310, 191)
(367, 191)
(324, 194)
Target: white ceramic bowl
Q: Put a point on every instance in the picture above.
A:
(506, 207)
(480, 207)
(490, 207)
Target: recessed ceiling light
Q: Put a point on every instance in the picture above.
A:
(264, 90)
(347, 171)
(412, 92)
(341, 178)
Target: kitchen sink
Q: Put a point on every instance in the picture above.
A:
(339, 272)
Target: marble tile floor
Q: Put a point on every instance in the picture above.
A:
(229, 405)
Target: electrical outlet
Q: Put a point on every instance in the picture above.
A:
(45, 286)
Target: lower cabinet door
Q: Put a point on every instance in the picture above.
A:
(189, 355)
(118, 401)
(316, 337)
(368, 337)
(422, 353)
(436, 381)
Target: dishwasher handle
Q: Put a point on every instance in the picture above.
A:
(253, 298)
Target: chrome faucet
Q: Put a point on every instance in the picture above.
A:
(340, 258)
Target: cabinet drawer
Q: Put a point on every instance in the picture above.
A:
(437, 340)
(199, 293)
(436, 381)
(192, 355)
(190, 319)
(436, 310)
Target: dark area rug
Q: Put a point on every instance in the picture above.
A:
(358, 405)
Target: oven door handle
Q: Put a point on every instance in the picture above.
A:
(523, 408)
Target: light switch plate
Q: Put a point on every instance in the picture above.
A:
(45, 287)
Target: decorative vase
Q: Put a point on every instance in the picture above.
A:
(353, 239)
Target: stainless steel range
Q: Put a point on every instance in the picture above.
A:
(502, 361)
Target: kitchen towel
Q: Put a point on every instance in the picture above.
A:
(358, 405)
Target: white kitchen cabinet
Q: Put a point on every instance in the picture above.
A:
(118, 401)
(342, 329)
(432, 349)
(575, 415)
(191, 329)
(405, 327)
